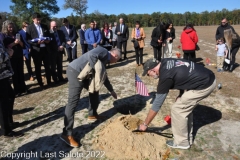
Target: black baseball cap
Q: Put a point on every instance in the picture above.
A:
(149, 64)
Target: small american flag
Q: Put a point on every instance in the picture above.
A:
(140, 87)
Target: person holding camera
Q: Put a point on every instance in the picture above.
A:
(13, 40)
(138, 36)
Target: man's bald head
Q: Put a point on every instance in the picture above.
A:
(53, 25)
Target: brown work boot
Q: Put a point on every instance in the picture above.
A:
(70, 141)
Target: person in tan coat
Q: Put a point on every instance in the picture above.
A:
(138, 35)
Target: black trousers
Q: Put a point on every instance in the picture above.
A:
(190, 55)
(56, 58)
(72, 53)
(38, 58)
(157, 52)
(18, 76)
(7, 98)
(234, 52)
(139, 55)
(114, 44)
(84, 48)
(74, 90)
(28, 65)
(123, 45)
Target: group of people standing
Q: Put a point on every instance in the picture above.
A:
(45, 46)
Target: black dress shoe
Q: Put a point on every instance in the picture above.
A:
(231, 68)
(225, 67)
(13, 134)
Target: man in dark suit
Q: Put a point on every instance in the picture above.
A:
(56, 48)
(26, 50)
(71, 37)
(122, 33)
(39, 49)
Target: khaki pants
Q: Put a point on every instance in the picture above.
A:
(182, 117)
(167, 50)
(220, 60)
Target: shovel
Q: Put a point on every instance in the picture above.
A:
(156, 130)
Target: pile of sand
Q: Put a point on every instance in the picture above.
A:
(119, 142)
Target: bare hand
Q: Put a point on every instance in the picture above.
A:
(10, 52)
(69, 42)
(118, 33)
(29, 50)
(60, 48)
(16, 41)
(46, 41)
(142, 127)
(114, 94)
(94, 45)
(40, 42)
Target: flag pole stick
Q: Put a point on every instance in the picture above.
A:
(135, 96)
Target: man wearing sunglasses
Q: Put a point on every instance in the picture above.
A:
(220, 30)
(234, 46)
(194, 82)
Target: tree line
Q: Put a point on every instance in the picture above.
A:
(22, 11)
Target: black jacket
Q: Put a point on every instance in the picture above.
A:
(170, 34)
(53, 46)
(104, 39)
(220, 31)
(124, 35)
(32, 33)
(157, 33)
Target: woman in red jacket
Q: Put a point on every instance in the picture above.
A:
(189, 40)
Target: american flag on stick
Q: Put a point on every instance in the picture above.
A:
(140, 87)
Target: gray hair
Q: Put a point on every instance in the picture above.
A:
(83, 26)
(116, 51)
(5, 26)
(115, 23)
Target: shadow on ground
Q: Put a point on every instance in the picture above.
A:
(203, 115)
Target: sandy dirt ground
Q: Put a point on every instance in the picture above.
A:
(216, 118)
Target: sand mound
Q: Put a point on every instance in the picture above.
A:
(119, 142)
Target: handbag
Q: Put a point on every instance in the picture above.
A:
(135, 44)
(197, 48)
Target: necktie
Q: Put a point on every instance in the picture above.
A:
(40, 31)
(94, 36)
(57, 39)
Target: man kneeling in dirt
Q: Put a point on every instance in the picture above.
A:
(87, 68)
(198, 83)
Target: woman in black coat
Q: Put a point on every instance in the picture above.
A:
(15, 43)
(158, 35)
(106, 34)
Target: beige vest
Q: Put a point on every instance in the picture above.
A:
(97, 76)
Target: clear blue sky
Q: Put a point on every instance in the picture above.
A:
(143, 6)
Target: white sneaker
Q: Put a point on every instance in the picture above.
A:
(171, 144)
